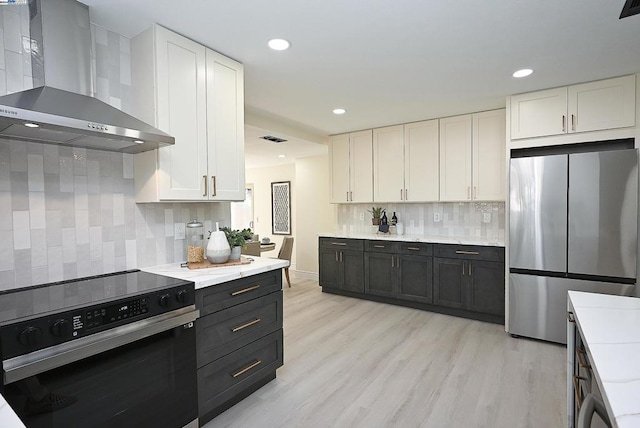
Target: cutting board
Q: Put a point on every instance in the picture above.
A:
(207, 264)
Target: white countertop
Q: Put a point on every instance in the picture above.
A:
(217, 275)
(8, 417)
(610, 326)
(435, 239)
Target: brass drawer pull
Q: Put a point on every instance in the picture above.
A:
(413, 248)
(245, 290)
(582, 358)
(246, 369)
(343, 244)
(469, 253)
(379, 246)
(243, 326)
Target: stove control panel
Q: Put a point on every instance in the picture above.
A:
(27, 336)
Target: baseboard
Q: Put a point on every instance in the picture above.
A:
(302, 274)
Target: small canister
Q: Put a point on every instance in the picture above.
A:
(195, 241)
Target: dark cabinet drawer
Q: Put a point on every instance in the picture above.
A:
(225, 331)
(470, 252)
(218, 297)
(416, 248)
(382, 246)
(342, 243)
(221, 380)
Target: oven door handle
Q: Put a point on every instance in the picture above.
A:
(40, 361)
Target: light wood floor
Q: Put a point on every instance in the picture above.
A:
(354, 363)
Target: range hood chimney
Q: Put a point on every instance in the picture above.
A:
(61, 109)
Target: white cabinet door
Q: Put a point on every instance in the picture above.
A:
(605, 104)
(489, 167)
(421, 161)
(455, 158)
(181, 112)
(339, 164)
(361, 166)
(388, 164)
(225, 128)
(537, 114)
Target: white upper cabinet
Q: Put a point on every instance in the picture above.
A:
(455, 158)
(594, 106)
(351, 157)
(195, 95)
(472, 157)
(489, 151)
(405, 163)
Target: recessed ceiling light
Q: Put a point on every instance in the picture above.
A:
(279, 44)
(31, 125)
(138, 141)
(282, 156)
(523, 73)
(339, 111)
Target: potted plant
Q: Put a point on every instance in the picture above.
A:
(376, 214)
(237, 240)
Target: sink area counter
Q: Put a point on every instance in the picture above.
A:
(432, 239)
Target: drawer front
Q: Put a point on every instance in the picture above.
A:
(217, 297)
(342, 243)
(470, 252)
(221, 380)
(225, 331)
(416, 248)
(382, 246)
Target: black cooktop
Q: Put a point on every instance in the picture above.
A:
(39, 300)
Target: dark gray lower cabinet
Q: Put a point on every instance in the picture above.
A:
(466, 279)
(238, 340)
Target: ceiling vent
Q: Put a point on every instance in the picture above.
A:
(274, 139)
(631, 7)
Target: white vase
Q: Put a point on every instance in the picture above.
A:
(235, 253)
(218, 250)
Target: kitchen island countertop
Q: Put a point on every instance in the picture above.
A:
(610, 326)
(433, 239)
(218, 275)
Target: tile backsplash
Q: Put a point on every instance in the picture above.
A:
(70, 212)
(456, 218)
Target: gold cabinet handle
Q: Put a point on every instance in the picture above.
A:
(406, 195)
(379, 246)
(205, 186)
(564, 127)
(246, 369)
(392, 257)
(469, 268)
(347, 196)
(413, 248)
(475, 192)
(469, 253)
(341, 254)
(573, 122)
(243, 326)
(336, 257)
(582, 358)
(213, 185)
(463, 268)
(343, 244)
(245, 290)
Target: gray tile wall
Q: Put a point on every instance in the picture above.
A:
(458, 218)
(70, 212)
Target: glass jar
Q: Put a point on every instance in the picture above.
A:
(195, 241)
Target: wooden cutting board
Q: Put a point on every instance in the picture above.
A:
(207, 264)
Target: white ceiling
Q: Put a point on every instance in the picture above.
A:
(390, 62)
(261, 153)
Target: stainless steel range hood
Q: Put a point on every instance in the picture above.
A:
(61, 109)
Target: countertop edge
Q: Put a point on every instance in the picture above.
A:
(434, 239)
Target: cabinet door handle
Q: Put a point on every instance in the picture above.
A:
(205, 186)
(406, 195)
(341, 256)
(469, 268)
(351, 195)
(401, 194)
(379, 246)
(339, 243)
(337, 257)
(213, 185)
(564, 127)
(468, 192)
(245, 290)
(246, 369)
(573, 122)
(469, 253)
(347, 196)
(243, 326)
(475, 192)
(463, 268)
(413, 248)
(392, 258)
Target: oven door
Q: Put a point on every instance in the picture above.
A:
(149, 382)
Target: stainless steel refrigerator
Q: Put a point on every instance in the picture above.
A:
(572, 226)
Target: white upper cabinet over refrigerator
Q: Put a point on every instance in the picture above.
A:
(405, 162)
(351, 157)
(197, 96)
(594, 106)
